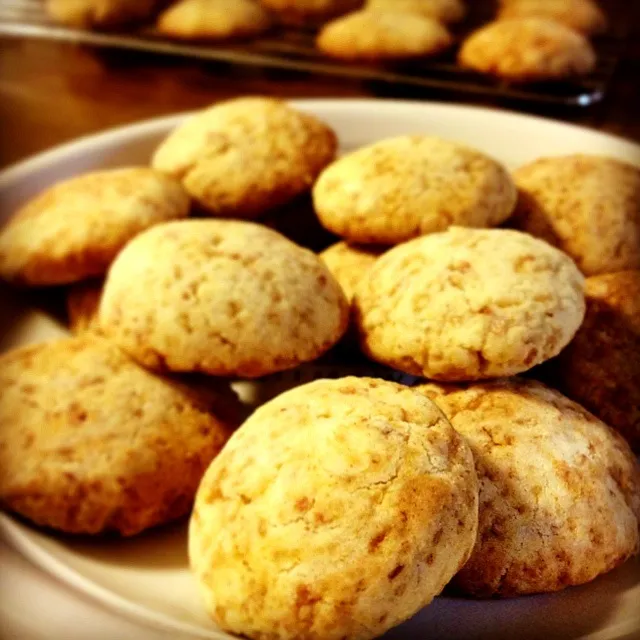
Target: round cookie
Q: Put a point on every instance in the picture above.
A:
(349, 264)
(337, 510)
(400, 188)
(601, 366)
(213, 19)
(230, 298)
(83, 302)
(244, 157)
(588, 206)
(85, 14)
(73, 230)
(376, 35)
(528, 50)
(469, 304)
(584, 16)
(309, 12)
(90, 442)
(559, 490)
(444, 11)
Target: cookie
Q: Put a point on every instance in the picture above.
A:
(73, 230)
(85, 14)
(244, 157)
(83, 302)
(469, 304)
(309, 12)
(400, 188)
(230, 298)
(588, 206)
(376, 35)
(444, 11)
(90, 442)
(584, 16)
(349, 263)
(559, 490)
(528, 50)
(601, 366)
(356, 493)
(213, 19)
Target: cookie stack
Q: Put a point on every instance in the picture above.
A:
(341, 507)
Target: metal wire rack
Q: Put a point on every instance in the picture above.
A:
(293, 49)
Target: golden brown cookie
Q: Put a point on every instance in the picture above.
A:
(99, 13)
(83, 302)
(355, 493)
(229, 298)
(73, 230)
(601, 366)
(528, 50)
(559, 490)
(349, 263)
(309, 12)
(469, 304)
(244, 157)
(400, 188)
(588, 206)
(444, 11)
(376, 35)
(213, 19)
(90, 442)
(584, 16)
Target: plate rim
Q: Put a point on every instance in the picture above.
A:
(10, 529)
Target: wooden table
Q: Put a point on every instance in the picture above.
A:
(51, 92)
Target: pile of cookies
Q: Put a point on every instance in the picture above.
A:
(341, 507)
(528, 40)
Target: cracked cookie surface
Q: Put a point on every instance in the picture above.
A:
(588, 206)
(559, 490)
(222, 297)
(403, 187)
(243, 157)
(73, 230)
(469, 304)
(336, 511)
(91, 442)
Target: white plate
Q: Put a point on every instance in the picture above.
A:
(147, 578)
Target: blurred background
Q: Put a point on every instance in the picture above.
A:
(73, 67)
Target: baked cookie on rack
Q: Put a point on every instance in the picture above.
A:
(528, 50)
(584, 16)
(213, 19)
(87, 14)
(309, 12)
(444, 11)
(383, 35)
